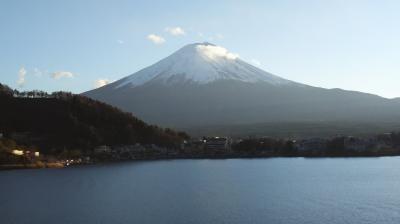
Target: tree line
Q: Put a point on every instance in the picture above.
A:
(63, 120)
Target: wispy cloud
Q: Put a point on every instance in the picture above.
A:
(156, 39)
(120, 41)
(21, 77)
(62, 74)
(176, 31)
(255, 62)
(215, 52)
(101, 82)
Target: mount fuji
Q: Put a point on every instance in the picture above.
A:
(200, 64)
(203, 84)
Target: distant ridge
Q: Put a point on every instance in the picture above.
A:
(203, 84)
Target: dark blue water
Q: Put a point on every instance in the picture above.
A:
(282, 190)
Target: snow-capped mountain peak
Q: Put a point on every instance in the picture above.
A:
(204, 85)
(200, 63)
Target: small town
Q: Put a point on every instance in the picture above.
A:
(388, 144)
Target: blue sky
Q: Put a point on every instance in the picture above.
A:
(71, 45)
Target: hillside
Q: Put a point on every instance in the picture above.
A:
(67, 121)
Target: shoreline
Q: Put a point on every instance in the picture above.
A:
(31, 166)
(58, 165)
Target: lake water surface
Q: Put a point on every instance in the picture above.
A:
(281, 190)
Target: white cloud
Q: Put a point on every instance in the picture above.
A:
(215, 52)
(62, 74)
(255, 62)
(101, 82)
(120, 41)
(156, 39)
(176, 31)
(219, 36)
(21, 77)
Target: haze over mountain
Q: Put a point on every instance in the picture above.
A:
(202, 84)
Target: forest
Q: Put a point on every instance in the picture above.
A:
(62, 121)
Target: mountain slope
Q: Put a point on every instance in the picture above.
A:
(203, 84)
(199, 64)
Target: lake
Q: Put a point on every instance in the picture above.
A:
(278, 190)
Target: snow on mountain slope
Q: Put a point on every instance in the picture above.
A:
(200, 63)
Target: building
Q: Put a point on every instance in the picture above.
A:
(102, 149)
(31, 155)
(17, 152)
(313, 144)
(356, 144)
(217, 143)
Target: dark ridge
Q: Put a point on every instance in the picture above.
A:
(62, 120)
